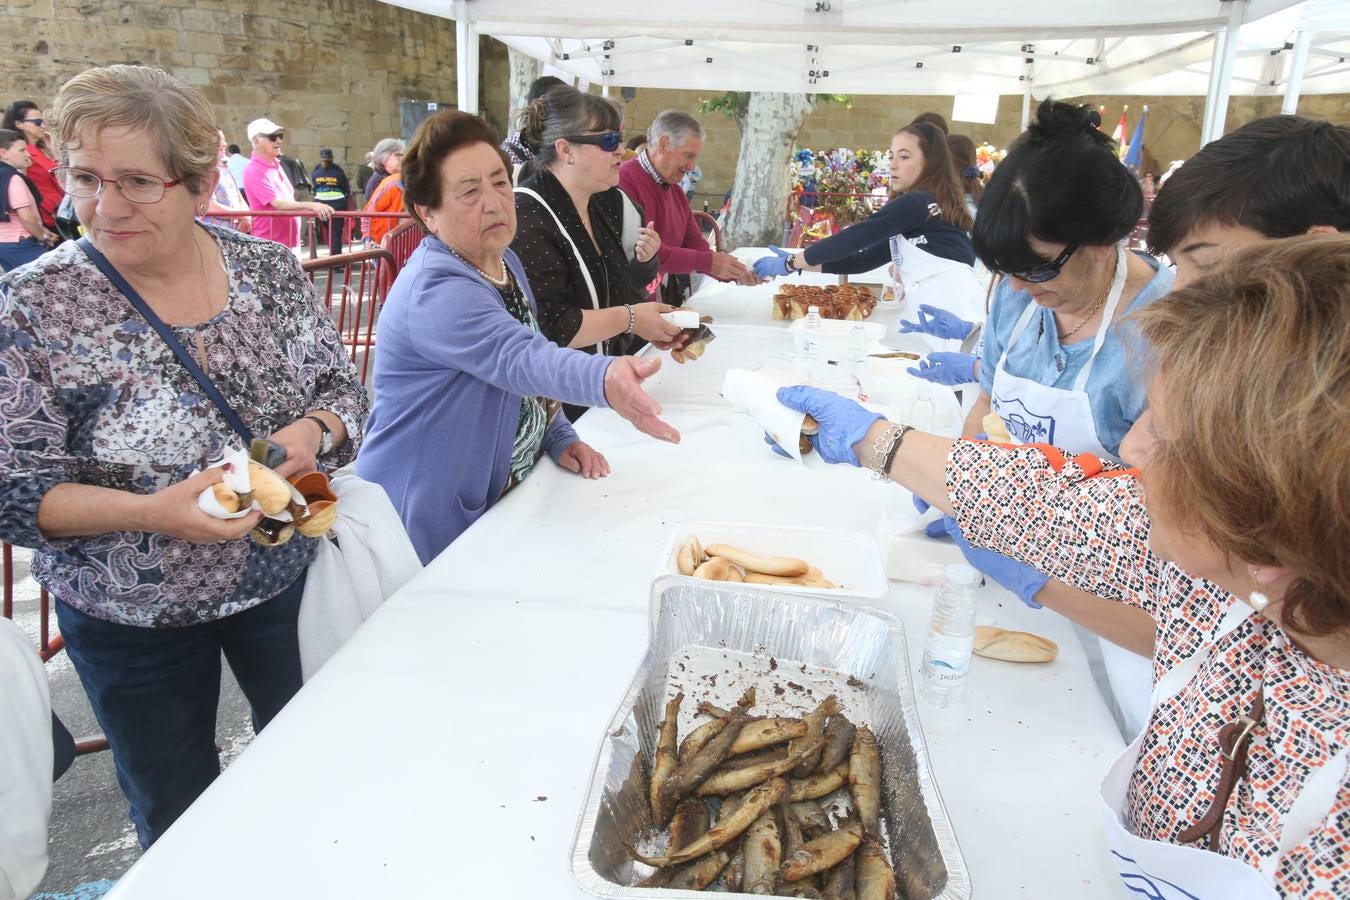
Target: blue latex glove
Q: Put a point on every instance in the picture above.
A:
(936, 528)
(772, 266)
(950, 369)
(842, 422)
(1021, 579)
(939, 323)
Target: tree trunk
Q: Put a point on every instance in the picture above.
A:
(760, 193)
(524, 70)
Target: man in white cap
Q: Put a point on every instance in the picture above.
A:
(267, 187)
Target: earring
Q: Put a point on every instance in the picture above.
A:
(1257, 599)
(571, 161)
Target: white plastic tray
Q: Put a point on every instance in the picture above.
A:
(848, 558)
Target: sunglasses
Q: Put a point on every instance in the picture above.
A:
(274, 137)
(1046, 271)
(608, 141)
(34, 121)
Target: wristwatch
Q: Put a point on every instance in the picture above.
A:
(326, 442)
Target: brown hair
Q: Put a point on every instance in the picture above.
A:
(932, 118)
(170, 110)
(1254, 366)
(938, 176)
(439, 135)
(962, 148)
(562, 112)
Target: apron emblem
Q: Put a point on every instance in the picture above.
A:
(1024, 425)
(1150, 887)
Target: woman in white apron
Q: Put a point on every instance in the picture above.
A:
(1056, 368)
(926, 222)
(1238, 786)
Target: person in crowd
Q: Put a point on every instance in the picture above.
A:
(630, 149)
(937, 120)
(1275, 177)
(674, 142)
(1055, 366)
(569, 231)
(295, 173)
(387, 149)
(268, 188)
(331, 188)
(387, 197)
(227, 197)
(25, 117)
(363, 173)
(26, 777)
(928, 216)
(463, 375)
(963, 158)
(1237, 787)
(516, 146)
(97, 464)
(237, 163)
(23, 238)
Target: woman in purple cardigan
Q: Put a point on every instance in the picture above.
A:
(466, 387)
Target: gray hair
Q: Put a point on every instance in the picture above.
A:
(562, 112)
(385, 149)
(172, 112)
(676, 126)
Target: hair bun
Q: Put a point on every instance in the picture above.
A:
(1059, 121)
(533, 119)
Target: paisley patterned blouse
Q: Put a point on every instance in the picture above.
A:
(89, 393)
(1084, 523)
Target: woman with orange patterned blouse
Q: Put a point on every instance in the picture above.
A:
(1232, 530)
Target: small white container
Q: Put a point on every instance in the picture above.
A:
(848, 558)
(834, 336)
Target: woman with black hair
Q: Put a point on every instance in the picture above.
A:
(933, 257)
(25, 117)
(1052, 221)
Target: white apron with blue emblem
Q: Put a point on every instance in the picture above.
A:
(1162, 871)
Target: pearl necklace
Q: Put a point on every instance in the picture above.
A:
(496, 282)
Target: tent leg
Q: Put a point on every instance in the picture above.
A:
(466, 59)
(1221, 72)
(1297, 64)
(1026, 96)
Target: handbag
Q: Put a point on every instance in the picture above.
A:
(349, 577)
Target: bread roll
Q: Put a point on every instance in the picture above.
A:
(718, 569)
(270, 491)
(995, 429)
(772, 565)
(1013, 646)
(228, 499)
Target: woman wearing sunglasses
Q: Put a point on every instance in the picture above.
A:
(1054, 366)
(25, 117)
(572, 220)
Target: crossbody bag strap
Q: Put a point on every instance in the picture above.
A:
(576, 251)
(101, 263)
(1234, 739)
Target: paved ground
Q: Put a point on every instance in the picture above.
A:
(92, 841)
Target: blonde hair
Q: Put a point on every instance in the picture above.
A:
(171, 111)
(1254, 375)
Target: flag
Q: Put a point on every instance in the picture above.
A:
(1119, 134)
(1134, 151)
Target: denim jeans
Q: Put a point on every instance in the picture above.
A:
(17, 253)
(155, 691)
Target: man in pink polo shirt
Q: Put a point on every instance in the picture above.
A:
(268, 188)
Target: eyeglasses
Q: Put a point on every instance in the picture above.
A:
(1046, 271)
(34, 121)
(608, 141)
(83, 185)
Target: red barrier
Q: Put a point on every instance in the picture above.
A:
(358, 283)
(309, 227)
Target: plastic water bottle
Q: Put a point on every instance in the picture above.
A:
(857, 352)
(951, 637)
(812, 344)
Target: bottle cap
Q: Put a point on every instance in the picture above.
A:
(962, 574)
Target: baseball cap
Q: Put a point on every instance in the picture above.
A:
(325, 154)
(262, 126)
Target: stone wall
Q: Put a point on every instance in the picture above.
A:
(1172, 132)
(331, 72)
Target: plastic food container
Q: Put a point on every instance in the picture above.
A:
(834, 335)
(848, 558)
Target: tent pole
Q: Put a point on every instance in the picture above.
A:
(1026, 97)
(466, 59)
(1221, 72)
(1297, 64)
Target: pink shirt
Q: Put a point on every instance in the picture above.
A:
(13, 230)
(264, 182)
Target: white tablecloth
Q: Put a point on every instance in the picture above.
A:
(445, 751)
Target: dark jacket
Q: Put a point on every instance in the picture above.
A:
(554, 271)
(295, 171)
(330, 177)
(866, 245)
(6, 173)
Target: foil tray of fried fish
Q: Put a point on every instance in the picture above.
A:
(768, 745)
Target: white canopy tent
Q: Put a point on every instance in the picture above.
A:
(1036, 48)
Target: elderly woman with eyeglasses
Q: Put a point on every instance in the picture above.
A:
(106, 439)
